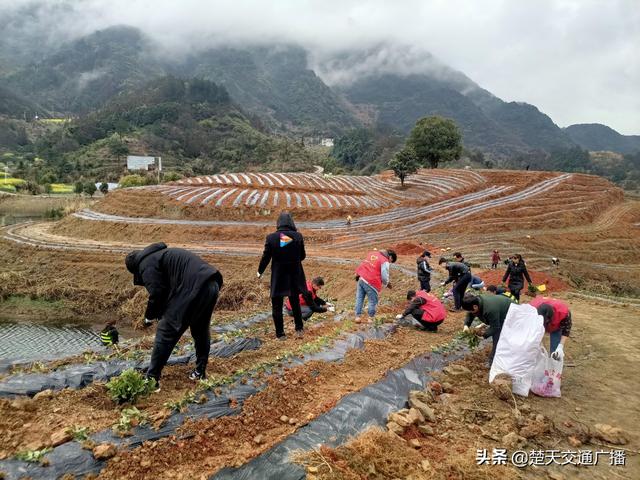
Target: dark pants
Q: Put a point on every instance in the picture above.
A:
(425, 285)
(304, 310)
(458, 290)
(428, 326)
(494, 265)
(198, 320)
(516, 293)
(277, 304)
(494, 339)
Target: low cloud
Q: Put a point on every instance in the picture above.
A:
(577, 60)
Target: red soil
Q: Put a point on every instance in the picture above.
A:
(407, 248)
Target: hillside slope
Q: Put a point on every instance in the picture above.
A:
(192, 124)
(598, 137)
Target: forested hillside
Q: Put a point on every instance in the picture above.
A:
(191, 123)
(598, 137)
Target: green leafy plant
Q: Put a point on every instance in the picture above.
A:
(180, 404)
(79, 433)
(470, 338)
(129, 386)
(129, 418)
(32, 455)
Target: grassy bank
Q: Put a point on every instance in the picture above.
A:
(33, 206)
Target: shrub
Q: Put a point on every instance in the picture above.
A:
(89, 188)
(171, 176)
(132, 181)
(129, 386)
(104, 188)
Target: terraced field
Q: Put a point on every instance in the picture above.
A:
(270, 394)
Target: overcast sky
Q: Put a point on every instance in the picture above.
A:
(576, 60)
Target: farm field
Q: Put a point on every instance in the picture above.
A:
(266, 397)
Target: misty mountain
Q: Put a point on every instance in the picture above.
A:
(82, 75)
(288, 89)
(271, 82)
(276, 84)
(15, 105)
(487, 122)
(597, 137)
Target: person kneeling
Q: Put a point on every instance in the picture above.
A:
(310, 302)
(426, 310)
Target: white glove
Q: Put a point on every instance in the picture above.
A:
(559, 353)
(147, 322)
(399, 316)
(331, 308)
(480, 327)
(258, 274)
(465, 329)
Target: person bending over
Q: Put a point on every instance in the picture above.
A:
(183, 291)
(372, 275)
(490, 310)
(310, 302)
(426, 310)
(557, 323)
(461, 274)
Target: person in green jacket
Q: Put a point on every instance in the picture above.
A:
(491, 310)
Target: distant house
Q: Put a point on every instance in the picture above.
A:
(136, 162)
(326, 142)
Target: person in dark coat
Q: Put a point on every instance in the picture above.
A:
(516, 273)
(183, 291)
(461, 274)
(284, 248)
(424, 271)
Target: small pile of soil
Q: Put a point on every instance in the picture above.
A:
(407, 248)
(494, 277)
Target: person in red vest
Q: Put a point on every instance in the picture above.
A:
(372, 275)
(310, 302)
(557, 321)
(427, 311)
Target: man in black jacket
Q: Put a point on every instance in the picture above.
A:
(424, 271)
(461, 274)
(284, 248)
(183, 291)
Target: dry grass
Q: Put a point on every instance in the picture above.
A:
(238, 294)
(376, 454)
(29, 205)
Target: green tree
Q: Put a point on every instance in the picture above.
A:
(404, 163)
(104, 188)
(89, 188)
(47, 188)
(435, 139)
(78, 188)
(118, 148)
